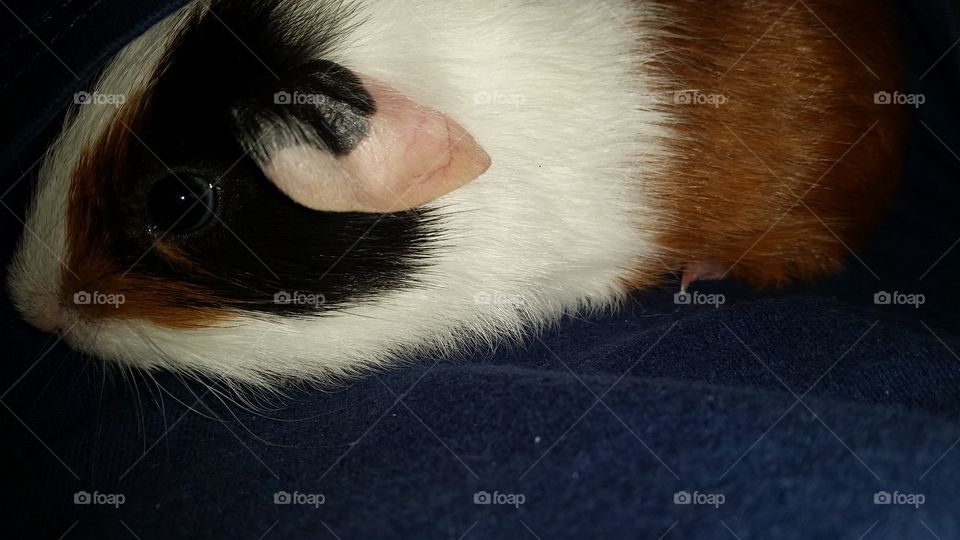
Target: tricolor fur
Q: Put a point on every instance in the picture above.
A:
(600, 178)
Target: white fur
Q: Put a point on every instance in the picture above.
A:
(556, 93)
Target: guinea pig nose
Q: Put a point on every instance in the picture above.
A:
(46, 319)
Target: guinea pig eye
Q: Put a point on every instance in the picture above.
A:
(181, 204)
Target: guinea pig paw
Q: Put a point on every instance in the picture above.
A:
(693, 272)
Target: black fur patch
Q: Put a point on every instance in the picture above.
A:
(321, 95)
(225, 70)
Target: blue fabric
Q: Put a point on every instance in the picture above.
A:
(797, 407)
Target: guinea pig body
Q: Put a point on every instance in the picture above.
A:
(213, 222)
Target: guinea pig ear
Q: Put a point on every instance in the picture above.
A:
(342, 143)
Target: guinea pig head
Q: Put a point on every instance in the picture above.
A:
(245, 173)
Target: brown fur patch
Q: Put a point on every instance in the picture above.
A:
(797, 160)
(99, 183)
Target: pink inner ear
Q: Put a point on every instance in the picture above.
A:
(410, 155)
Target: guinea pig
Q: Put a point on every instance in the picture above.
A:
(310, 189)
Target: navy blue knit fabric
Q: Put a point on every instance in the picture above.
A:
(789, 414)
